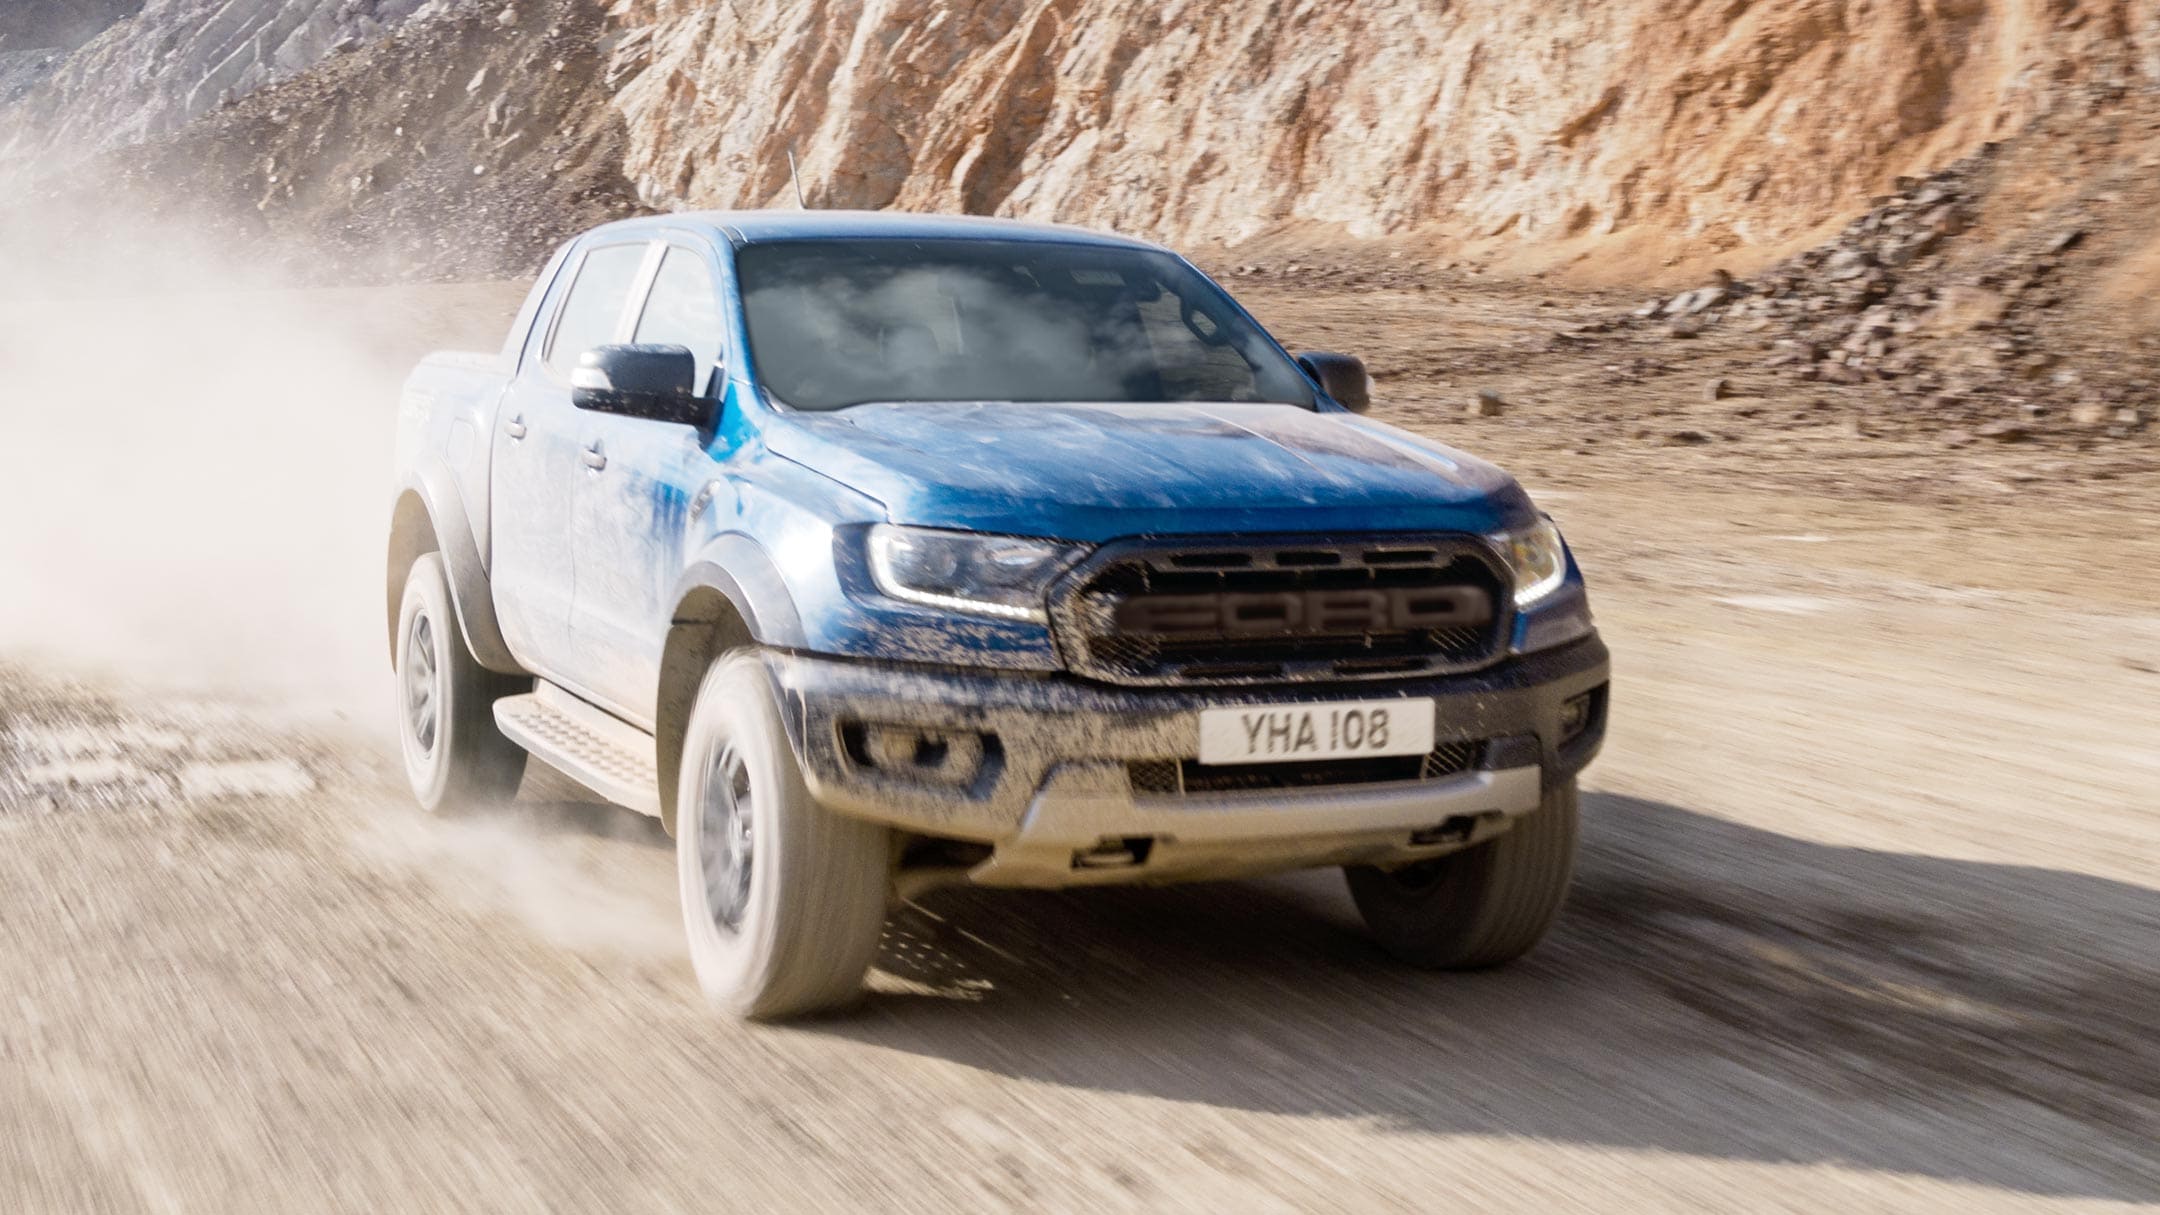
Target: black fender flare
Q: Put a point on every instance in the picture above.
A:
(430, 492)
(739, 568)
(732, 596)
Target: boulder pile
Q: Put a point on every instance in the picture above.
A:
(1894, 300)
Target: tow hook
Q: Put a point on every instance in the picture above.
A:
(1454, 831)
(1115, 852)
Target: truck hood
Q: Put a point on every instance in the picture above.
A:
(1095, 472)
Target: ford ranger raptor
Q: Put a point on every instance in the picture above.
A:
(874, 552)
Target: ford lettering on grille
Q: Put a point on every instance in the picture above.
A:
(1296, 612)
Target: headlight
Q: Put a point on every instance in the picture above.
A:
(1004, 576)
(1536, 558)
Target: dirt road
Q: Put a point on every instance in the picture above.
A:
(1868, 915)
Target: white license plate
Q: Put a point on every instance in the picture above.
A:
(1280, 734)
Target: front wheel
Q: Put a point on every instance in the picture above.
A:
(455, 756)
(1480, 907)
(783, 900)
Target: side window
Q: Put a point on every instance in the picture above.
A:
(684, 310)
(595, 305)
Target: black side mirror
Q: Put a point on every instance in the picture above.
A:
(1341, 376)
(650, 382)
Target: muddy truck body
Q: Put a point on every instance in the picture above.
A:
(872, 553)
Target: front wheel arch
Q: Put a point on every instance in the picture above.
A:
(706, 626)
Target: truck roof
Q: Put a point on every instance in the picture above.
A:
(750, 227)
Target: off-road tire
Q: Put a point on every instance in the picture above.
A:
(1480, 907)
(455, 756)
(807, 918)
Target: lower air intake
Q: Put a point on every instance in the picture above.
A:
(1177, 777)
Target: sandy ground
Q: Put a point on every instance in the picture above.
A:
(1866, 919)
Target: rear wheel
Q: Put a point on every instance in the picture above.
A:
(455, 756)
(783, 900)
(1479, 907)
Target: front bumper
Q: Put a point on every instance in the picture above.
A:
(1047, 781)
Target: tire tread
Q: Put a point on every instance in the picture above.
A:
(1493, 903)
(834, 874)
(484, 767)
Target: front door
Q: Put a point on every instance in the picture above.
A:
(634, 512)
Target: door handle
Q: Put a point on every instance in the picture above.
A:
(595, 458)
(515, 427)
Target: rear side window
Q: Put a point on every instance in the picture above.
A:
(593, 311)
(683, 311)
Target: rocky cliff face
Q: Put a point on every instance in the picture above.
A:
(1579, 130)
(1721, 122)
(58, 24)
(36, 35)
(170, 61)
(464, 141)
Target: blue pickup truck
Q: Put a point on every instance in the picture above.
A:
(875, 552)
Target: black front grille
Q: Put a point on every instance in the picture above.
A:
(1175, 777)
(1098, 643)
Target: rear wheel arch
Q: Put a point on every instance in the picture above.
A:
(429, 517)
(412, 536)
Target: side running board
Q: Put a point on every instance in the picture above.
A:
(602, 752)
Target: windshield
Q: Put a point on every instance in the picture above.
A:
(839, 323)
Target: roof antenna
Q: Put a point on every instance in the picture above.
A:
(797, 179)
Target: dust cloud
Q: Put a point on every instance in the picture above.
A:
(196, 506)
(197, 503)
(591, 879)
(200, 472)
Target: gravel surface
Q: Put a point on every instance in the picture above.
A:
(1865, 919)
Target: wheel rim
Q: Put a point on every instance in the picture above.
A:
(423, 695)
(724, 839)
